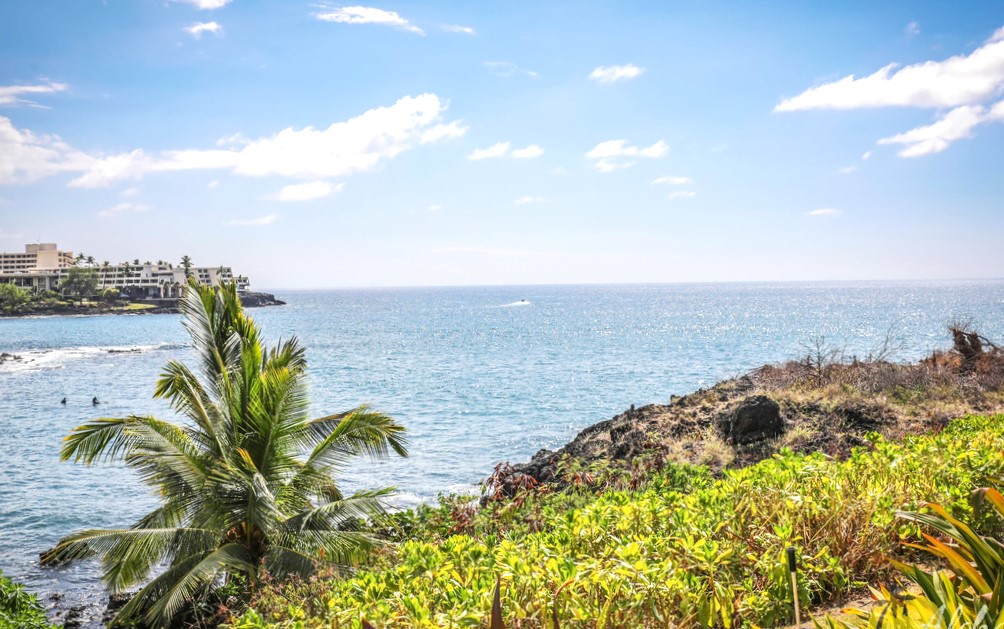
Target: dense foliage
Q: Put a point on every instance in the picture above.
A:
(247, 479)
(18, 608)
(682, 549)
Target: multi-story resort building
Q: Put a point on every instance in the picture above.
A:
(44, 266)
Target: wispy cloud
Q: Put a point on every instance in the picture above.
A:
(528, 152)
(344, 148)
(615, 154)
(912, 29)
(866, 156)
(268, 219)
(846, 170)
(964, 83)
(499, 149)
(824, 211)
(308, 191)
(672, 181)
(215, 183)
(129, 193)
(365, 15)
(528, 199)
(12, 94)
(959, 80)
(507, 69)
(457, 28)
(682, 194)
(122, 208)
(206, 4)
(956, 125)
(605, 75)
(196, 30)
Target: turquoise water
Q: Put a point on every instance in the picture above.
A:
(476, 374)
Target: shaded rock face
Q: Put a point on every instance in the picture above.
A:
(753, 419)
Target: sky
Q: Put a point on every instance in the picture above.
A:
(316, 144)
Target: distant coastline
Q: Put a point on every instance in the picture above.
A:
(125, 307)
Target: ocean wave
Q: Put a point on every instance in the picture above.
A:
(57, 358)
(515, 304)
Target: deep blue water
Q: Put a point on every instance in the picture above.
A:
(475, 375)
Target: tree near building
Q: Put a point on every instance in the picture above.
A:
(247, 479)
(13, 297)
(186, 263)
(80, 282)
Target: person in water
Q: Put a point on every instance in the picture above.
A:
(94, 401)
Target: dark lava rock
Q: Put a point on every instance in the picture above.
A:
(115, 603)
(753, 419)
(74, 618)
(254, 300)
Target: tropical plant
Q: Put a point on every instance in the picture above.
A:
(13, 297)
(186, 264)
(20, 609)
(969, 594)
(247, 480)
(80, 282)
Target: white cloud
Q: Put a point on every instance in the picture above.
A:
(673, 181)
(6, 235)
(196, 30)
(507, 69)
(934, 138)
(366, 15)
(528, 199)
(614, 154)
(682, 194)
(26, 156)
(912, 29)
(447, 131)
(824, 211)
(499, 149)
(529, 152)
(308, 191)
(559, 170)
(866, 155)
(234, 139)
(268, 219)
(122, 208)
(129, 192)
(206, 4)
(11, 94)
(846, 170)
(435, 207)
(343, 148)
(605, 75)
(457, 28)
(215, 183)
(959, 80)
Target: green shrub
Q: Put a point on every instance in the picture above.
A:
(20, 609)
(710, 554)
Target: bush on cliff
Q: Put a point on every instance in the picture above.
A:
(673, 552)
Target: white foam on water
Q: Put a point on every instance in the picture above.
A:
(43, 359)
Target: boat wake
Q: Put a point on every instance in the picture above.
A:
(515, 304)
(57, 358)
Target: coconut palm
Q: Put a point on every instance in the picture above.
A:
(247, 479)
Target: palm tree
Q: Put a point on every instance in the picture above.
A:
(90, 260)
(186, 263)
(240, 499)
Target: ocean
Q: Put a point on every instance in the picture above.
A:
(478, 376)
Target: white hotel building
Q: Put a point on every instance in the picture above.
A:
(43, 266)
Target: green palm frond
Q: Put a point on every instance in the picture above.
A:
(239, 496)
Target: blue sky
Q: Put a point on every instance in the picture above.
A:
(314, 144)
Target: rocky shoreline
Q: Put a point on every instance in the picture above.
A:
(159, 306)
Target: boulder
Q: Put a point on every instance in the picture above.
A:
(753, 419)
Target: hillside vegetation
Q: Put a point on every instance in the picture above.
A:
(683, 548)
